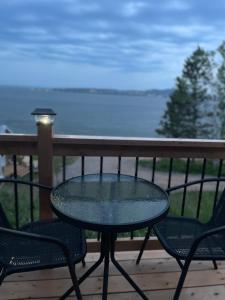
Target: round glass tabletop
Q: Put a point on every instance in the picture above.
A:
(109, 202)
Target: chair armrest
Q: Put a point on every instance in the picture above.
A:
(30, 183)
(209, 179)
(208, 233)
(201, 237)
(36, 237)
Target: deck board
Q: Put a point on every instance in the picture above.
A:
(157, 275)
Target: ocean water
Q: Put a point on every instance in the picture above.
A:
(89, 114)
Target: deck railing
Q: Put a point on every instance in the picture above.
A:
(93, 153)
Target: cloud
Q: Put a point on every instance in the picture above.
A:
(27, 17)
(184, 31)
(77, 7)
(117, 37)
(177, 5)
(131, 9)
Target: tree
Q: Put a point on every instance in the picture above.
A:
(189, 111)
(174, 122)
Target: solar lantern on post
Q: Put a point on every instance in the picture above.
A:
(44, 118)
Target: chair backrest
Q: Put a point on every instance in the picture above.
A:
(4, 222)
(219, 214)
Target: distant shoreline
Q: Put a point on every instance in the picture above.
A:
(95, 91)
(155, 92)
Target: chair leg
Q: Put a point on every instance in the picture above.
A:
(132, 235)
(83, 262)
(215, 264)
(74, 280)
(179, 263)
(1, 279)
(143, 245)
(182, 279)
(2, 274)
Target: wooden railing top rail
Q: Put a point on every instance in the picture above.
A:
(117, 140)
(120, 146)
(22, 144)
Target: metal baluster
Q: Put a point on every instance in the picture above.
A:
(64, 168)
(119, 165)
(101, 165)
(136, 166)
(135, 174)
(16, 190)
(218, 183)
(153, 169)
(31, 189)
(82, 165)
(185, 189)
(170, 173)
(201, 188)
(101, 171)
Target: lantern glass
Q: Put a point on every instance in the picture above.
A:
(44, 116)
(44, 119)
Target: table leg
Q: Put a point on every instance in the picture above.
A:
(97, 263)
(122, 271)
(88, 272)
(107, 251)
(106, 267)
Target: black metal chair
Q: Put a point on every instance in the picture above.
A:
(188, 239)
(40, 245)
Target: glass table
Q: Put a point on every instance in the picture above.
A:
(109, 204)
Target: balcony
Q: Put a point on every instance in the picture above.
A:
(158, 273)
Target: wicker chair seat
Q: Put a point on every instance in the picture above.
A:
(22, 254)
(177, 235)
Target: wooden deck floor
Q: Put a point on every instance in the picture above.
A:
(157, 275)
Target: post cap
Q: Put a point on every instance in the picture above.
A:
(43, 111)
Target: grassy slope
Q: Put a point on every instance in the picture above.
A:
(180, 165)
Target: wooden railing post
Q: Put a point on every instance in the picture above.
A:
(44, 120)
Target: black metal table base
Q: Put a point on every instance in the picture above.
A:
(107, 252)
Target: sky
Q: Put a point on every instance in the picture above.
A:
(120, 44)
